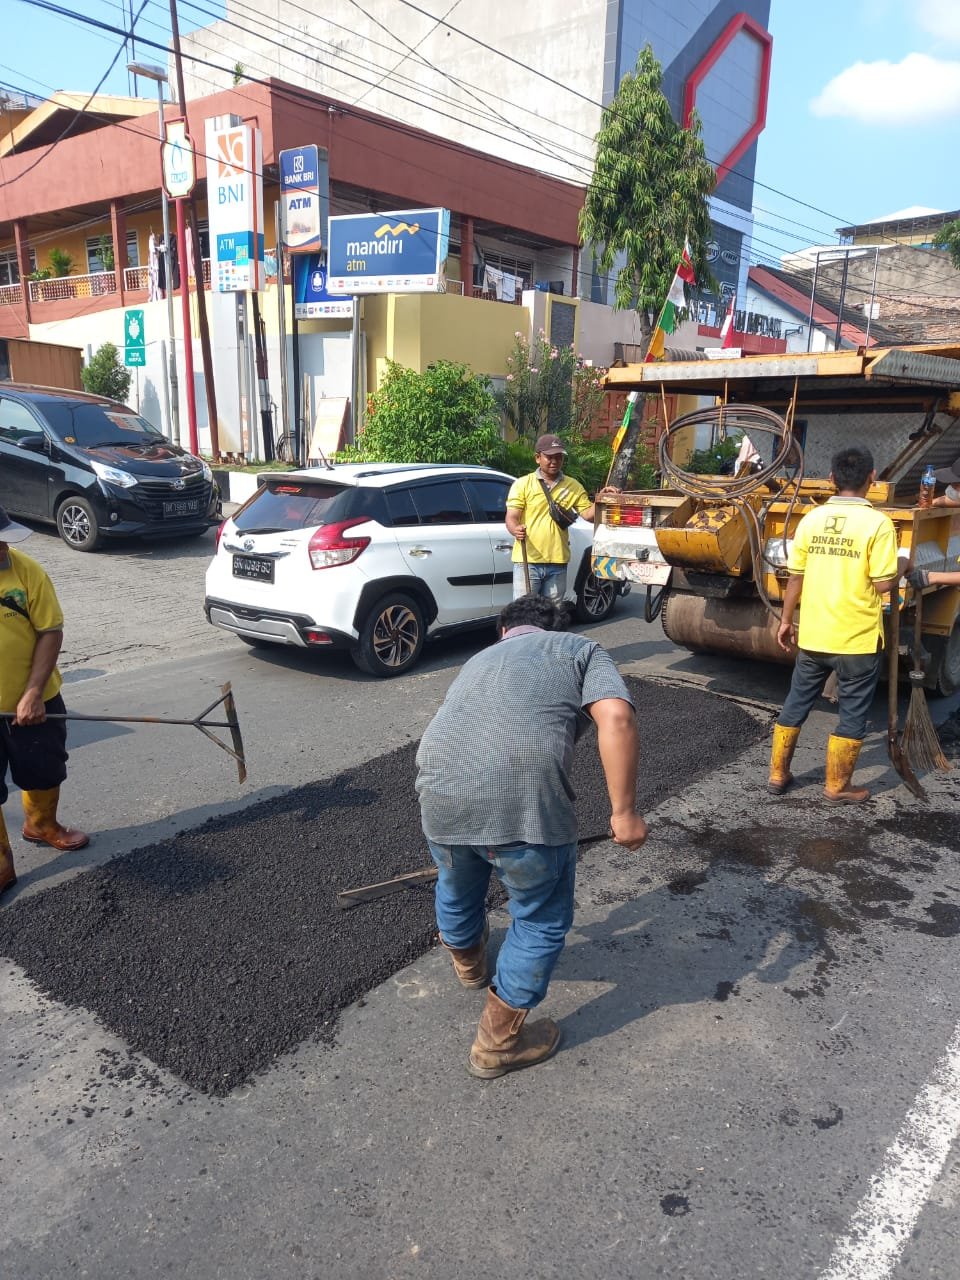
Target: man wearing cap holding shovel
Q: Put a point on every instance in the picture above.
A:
(32, 747)
(540, 508)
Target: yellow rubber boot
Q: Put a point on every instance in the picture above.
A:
(504, 1044)
(842, 756)
(8, 875)
(41, 825)
(781, 756)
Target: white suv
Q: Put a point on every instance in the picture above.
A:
(375, 558)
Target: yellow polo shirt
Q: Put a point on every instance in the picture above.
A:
(842, 549)
(25, 581)
(547, 543)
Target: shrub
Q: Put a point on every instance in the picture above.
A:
(549, 388)
(444, 414)
(105, 375)
(61, 264)
(713, 461)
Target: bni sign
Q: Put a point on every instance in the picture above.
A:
(235, 207)
(305, 193)
(400, 252)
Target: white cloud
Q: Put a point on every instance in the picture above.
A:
(918, 90)
(940, 17)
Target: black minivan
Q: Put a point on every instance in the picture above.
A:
(96, 469)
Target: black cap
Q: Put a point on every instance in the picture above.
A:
(10, 531)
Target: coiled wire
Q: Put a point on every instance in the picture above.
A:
(734, 490)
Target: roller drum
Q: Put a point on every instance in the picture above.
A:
(742, 628)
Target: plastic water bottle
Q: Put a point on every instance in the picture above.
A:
(928, 482)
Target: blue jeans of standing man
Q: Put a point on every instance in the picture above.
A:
(539, 881)
(857, 676)
(548, 580)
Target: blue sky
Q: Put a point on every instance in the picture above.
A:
(862, 121)
(864, 112)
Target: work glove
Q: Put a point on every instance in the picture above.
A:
(918, 578)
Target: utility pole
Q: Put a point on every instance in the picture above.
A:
(205, 352)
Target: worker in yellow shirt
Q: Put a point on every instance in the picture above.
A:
(842, 561)
(541, 507)
(32, 747)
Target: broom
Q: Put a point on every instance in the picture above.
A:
(919, 742)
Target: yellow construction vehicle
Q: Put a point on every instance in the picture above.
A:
(712, 550)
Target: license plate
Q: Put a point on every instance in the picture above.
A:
(182, 507)
(257, 567)
(647, 574)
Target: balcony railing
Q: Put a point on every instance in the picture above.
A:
(60, 287)
(456, 286)
(95, 285)
(11, 295)
(139, 277)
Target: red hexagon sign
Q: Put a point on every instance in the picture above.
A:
(735, 40)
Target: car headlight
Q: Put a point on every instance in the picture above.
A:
(207, 472)
(113, 475)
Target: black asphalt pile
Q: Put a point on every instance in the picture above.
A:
(217, 951)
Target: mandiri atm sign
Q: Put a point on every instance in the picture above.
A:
(400, 252)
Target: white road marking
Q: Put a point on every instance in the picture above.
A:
(886, 1216)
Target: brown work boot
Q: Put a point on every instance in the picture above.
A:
(8, 875)
(470, 963)
(781, 756)
(504, 1044)
(41, 825)
(841, 761)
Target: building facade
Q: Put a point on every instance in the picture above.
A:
(526, 83)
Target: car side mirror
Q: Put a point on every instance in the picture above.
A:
(35, 442)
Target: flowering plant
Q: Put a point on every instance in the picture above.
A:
(549, 388)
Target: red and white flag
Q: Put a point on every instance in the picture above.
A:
(727, 332)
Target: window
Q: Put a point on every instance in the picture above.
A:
(95, 261)
(444, 503)
(9, 271)
(16, 421)
(400, 509)
(490, 499)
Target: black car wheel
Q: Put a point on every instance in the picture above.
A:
(77, 524)
(595, 598)
(948, 676)
(391, 637)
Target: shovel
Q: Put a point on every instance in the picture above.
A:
(526, 563)
(897, 755)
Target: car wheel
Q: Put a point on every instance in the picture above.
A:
(391, 637)
(595, 598)
(77, 524)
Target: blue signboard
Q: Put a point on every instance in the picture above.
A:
(311, 298)
(404, 251)
(305, 194)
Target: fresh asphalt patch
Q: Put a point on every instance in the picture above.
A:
(216, 951)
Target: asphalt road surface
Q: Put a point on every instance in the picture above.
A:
(761, 1065)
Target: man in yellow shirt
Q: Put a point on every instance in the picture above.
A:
(842, 561)
(531, 519)
(32, 746)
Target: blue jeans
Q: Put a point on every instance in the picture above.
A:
(548, 580)
(857, 676)
(539, 881)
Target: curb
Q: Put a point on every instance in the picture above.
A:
(236, 486)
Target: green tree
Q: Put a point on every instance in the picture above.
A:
(948, 237)
(444, 414)
(105, 375)
(648, 194)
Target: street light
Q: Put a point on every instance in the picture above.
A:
(151, 72)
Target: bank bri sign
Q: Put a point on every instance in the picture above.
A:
(404, 251)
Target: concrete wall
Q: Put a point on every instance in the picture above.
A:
(477, 98)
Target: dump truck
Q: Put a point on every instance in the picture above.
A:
(712, 550)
